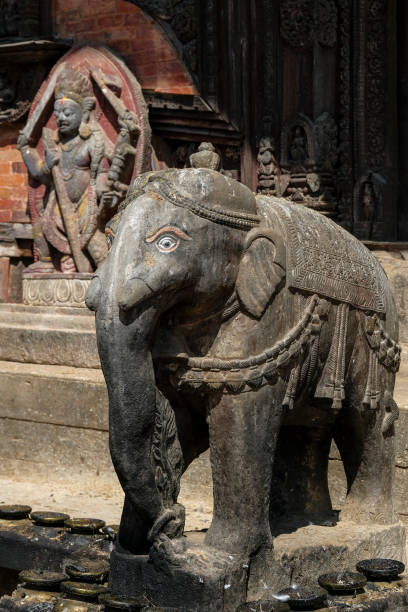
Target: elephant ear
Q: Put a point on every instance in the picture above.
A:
(261, 271)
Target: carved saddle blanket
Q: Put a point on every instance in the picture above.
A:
(323, 258)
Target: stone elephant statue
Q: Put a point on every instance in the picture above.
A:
(255, 327)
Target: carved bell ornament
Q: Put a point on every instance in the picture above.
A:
(205, 157)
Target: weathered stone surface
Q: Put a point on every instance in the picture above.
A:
(54, 395)
(55, 336)
(337, 478)
(337, 483)
(35, 449)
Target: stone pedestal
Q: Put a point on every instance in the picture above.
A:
(211, 581)
(56, 289)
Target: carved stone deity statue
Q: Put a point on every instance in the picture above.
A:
(86, 138)
(69, 233)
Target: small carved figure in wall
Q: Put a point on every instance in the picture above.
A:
(19, 18)
(267, 164)
(17, 90)
(181, 155)
(81, 184)
(298, 146)
(368, 203)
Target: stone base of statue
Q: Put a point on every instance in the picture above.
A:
(55, 289)
(213, 581)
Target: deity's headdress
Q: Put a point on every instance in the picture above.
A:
(74, 85)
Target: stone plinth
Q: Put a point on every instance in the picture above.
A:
(55, 289)
(300, 557)
(212, 581)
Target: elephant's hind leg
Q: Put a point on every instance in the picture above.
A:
(368, 454)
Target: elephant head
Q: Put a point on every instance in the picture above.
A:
(184, 244)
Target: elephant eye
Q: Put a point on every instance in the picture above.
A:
(167, 243)
(167, 238)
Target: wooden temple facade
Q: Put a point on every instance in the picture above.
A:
(304, 99)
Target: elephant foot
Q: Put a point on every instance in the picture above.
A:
(166, 552)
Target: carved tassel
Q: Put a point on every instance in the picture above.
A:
(372, 393)
(291, 389)
(331, 384)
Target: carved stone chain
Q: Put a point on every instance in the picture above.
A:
(238, 375)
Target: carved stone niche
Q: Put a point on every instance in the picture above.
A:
(368, 199)
(87, 137)
(305, 170)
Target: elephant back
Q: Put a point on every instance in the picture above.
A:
(323, 258)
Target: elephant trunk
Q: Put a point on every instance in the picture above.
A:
(127, 365)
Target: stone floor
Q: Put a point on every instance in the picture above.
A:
(83, 498)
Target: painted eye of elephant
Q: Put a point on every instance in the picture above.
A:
(167, 243)
(168, 238)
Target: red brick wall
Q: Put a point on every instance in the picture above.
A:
(13, 180)
(125, 28)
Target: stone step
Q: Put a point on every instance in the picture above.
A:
(55, 395)
(53, 418)
(46, 335)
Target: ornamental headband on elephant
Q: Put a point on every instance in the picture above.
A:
(206, 193)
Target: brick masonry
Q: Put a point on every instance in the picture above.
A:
(126, 29)
(13, 180)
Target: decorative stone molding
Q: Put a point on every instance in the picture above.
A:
(56, 289)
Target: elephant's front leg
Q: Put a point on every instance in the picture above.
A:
(243, 434)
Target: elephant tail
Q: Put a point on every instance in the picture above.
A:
(391, 412)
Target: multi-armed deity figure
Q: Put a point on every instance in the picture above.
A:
(81, 171)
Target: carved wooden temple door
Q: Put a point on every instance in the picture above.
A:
(329, 107)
